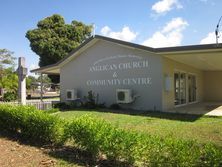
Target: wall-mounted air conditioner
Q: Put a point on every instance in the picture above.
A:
(124, 96)
(71, 94)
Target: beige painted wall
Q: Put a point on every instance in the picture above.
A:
(213, 86)
(169, 67)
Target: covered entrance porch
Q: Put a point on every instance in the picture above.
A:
(196, 81)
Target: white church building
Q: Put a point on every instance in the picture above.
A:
(140, 77)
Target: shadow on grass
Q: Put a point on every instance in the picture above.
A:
(70, 155)
(170, 116)
(152, 114)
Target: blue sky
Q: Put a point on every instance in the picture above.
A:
(156, 23)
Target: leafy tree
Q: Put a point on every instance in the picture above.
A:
(29, 81)
(10, 80)
(53, 39)
(45, 79)
(6, 59)
(10, 84)
(8, 76)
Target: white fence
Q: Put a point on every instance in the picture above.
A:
(44, 105)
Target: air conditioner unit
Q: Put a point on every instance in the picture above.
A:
(124, 96)
(71, 94)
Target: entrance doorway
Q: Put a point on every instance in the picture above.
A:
(191, 88)
(179, 88)
(184, 88)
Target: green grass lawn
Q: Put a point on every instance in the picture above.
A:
(190, 127)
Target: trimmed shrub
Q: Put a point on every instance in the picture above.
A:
(101, 138)
(31, 124)
(175, 152)
(86, 133)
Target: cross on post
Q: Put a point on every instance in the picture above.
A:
(22, 72)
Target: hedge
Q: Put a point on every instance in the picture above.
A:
(99, 137)
(31, 124)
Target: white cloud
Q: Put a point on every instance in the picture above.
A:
(105, 30)
(164, 6)
(170, 35)
(175, 24)
(32, 67)
(210, 38)
(125, 34)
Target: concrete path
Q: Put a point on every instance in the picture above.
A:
(203, 108)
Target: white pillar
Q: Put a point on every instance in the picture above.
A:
(41, 93)
(22, 72)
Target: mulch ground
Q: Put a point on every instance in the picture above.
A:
(15, 154)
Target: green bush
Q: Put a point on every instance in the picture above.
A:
(156, 151)
(99, 137)
(9, 96)
(62, 106)
(31, 124)
(211, 155)
(90, 100)
(86, 133)
(115, 106)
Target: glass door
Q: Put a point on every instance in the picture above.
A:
(179, 88)
(192, 88)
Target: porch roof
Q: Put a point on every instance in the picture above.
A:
(203, 59)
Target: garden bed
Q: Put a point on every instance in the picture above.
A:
(95, 141)
(13, 153)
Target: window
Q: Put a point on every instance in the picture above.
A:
(191, 88)
(179, 88)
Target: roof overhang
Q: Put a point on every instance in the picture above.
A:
(204, 59)
(53, 70)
